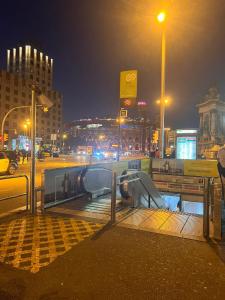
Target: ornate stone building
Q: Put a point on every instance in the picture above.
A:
(212, 120)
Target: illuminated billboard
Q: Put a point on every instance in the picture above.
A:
(186, 147)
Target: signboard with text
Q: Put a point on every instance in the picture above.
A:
(204, 168)
(89, 150)
(123, 113)
(186, 147)
(128, 84)
(53, 137)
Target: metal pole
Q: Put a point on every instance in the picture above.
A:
(206, 208)
(27, 193)
(113, 198)
(33, 142)
(119, 143)
(162, 101)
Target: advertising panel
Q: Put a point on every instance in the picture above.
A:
(168, 166)
(186, 147)
(61, 184)
(204, 168)
(145, 165)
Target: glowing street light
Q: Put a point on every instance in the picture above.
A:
(28, 122)
(120, 120)
(101, 137)
(167, 101)
(161, 17)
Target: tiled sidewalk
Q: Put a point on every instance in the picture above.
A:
(32, 242)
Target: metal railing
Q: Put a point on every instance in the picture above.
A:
(18, 195)
(137, 179)
(208, 198)
(115, 183)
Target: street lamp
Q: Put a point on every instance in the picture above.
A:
(25, 129)
(167, 101)
(64, 136)
(119, 120)
(161, 18)
(5, 117)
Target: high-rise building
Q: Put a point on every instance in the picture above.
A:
(26, 66)
(31, 64)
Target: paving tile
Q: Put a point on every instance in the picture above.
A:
(174, 223)
(138, 217)
(193, 226)
(29, 252)
(156, 220)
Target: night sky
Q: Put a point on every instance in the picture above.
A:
(91, 41)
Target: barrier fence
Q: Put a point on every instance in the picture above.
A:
(26, 194)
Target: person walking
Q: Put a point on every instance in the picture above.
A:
(23, 156)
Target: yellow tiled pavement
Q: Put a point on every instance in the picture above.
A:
(32, 242)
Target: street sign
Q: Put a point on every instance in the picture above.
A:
(128, 84)
(123, 113)
(128, 103)
(89, 150)
(53, 137)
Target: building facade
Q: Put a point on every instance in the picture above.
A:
(212, 121)
(106, 134)
(26, 66)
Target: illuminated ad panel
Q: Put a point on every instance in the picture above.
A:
(187, 147)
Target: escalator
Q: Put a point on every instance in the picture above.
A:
(139, 186)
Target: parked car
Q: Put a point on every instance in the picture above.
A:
(7, 166)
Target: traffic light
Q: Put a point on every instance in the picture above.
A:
(155, 137)
(6, 137)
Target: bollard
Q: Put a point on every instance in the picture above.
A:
(113, 198)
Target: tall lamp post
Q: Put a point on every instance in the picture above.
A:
(120, 121)
(64, 137)
(161, 19)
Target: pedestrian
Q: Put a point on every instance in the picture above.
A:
(157, 153)
(221, 167)
(28, 154)
(23, 156)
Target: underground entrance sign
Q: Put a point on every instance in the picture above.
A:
(128, 84)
